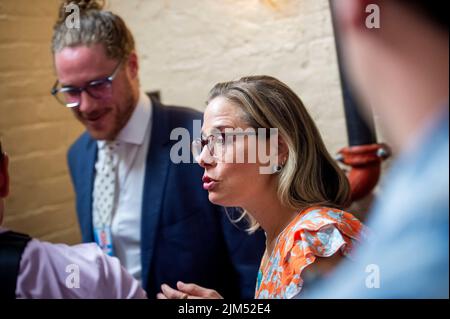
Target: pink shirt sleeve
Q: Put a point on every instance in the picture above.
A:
(81, 271)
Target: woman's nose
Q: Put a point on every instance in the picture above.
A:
(205, 158)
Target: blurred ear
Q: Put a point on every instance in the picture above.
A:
(352, 14)
(133, 65)
(4, 177)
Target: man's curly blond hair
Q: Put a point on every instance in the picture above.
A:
(97, 26)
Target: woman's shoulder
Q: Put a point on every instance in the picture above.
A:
(314, 232)
(319, 218)
(321, 231)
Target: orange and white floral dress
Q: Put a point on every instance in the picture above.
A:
(315, 232)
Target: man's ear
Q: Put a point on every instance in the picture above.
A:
(133, 65)
(352, 14)
(4, 177)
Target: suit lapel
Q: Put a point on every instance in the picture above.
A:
(87, 173)
(157, 167)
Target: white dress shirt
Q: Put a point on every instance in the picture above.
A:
(132, 151)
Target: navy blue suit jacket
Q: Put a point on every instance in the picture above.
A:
(183, 236)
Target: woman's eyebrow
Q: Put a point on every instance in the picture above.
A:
(223, 127)
(218, 128)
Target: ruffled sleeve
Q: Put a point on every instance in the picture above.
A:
(318, 232)
(322, 232)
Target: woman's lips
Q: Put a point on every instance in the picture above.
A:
(208, 183)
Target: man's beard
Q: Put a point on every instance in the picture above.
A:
(121, 120)
(121, 116)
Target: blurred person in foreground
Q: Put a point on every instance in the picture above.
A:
(401, 71)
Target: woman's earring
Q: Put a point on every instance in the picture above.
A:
(277, 168)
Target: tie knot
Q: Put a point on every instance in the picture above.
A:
(112, 143)
(110, 146)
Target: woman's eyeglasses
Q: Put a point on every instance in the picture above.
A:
(216, 143)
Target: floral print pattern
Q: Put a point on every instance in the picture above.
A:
(314, 232)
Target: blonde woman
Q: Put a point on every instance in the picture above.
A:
(298, 203)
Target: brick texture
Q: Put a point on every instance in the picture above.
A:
(35, 130)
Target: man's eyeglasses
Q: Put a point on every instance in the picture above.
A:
(70, 96)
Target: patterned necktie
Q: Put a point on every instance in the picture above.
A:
(105, 185)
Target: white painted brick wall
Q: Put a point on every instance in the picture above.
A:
(35, 130)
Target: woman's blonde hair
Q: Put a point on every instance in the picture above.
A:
(310, 176)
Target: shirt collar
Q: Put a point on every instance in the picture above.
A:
(134, 131)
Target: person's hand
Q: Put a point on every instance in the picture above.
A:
(187, 291)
